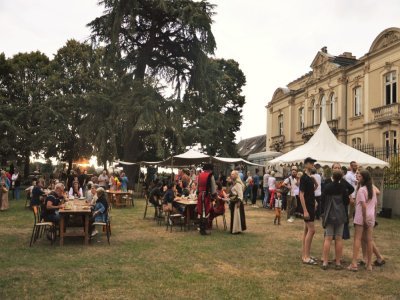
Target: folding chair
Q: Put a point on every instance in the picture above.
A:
(106, 225)
(148, 204)
(175, 219)
(40, 226)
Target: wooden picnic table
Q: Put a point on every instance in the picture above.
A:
(79, 208)
(115, 197)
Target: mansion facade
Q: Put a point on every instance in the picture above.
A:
(358, 97)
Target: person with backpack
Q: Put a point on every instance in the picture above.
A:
(335, 199)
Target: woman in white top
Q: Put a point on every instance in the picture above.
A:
(76, 190)
(272, 188)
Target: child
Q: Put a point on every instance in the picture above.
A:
(278, 206)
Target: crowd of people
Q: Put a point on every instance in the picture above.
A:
(346, 194)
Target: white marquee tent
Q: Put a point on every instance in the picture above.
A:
(327, 149)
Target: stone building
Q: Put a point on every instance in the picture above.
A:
(357, 96)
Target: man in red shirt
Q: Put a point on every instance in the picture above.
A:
(206, 191)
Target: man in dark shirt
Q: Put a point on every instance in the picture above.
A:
(307, 199)
(37, 192)
(155, 195)
(82, 179)
(53, 204)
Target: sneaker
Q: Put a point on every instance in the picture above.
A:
(95, 232)
(290, 220)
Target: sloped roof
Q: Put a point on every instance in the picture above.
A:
(252, 145)
(327, 149)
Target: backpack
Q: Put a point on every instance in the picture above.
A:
(335, 211)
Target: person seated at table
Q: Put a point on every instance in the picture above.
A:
(193, 191)
(218, 209)
(156, 194)
(169, 205)
(91, 196)
(179, 188)
(37, 193)
(76, 190)
(53, 203)
(185, 189)
(52, 185)
(100, 210)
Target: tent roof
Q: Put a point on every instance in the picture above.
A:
(327, 149)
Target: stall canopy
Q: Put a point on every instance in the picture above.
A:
(190, 157)
(327, 149)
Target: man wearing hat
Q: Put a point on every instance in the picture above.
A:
(206, 190)
(307, 199)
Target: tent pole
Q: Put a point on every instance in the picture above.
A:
(139, 189)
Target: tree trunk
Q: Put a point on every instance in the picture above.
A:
(105, 164)
(69, 165)
(26, 165)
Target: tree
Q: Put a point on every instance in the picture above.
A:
(70, 83)
(28, 94)
(6, 127)
(212, 114)
(152, 41)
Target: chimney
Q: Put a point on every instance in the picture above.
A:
(347, 55)
(324, 49)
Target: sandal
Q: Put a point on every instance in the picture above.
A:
(361, 263)
(379, 263)
(338, 267)
(324, 267)
(352, 268)
(310, 261)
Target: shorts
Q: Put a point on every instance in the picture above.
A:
(311, 212)
(334, 230)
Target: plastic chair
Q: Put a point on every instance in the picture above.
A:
(39, 226)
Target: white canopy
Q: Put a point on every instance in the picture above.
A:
(327, 149)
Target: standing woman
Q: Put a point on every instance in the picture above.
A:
(4, 188)
(364, 219)
(238, 219)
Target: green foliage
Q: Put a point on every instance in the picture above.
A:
(212, 114)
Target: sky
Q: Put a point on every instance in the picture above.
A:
(273, 41)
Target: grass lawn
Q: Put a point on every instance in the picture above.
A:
(146, 262)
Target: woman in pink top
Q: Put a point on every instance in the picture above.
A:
(364, 219)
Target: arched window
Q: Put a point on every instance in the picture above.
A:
(322, 108)
(301, 119)
(332, 103)
(357, 101)
(390, 88)
(280, 124)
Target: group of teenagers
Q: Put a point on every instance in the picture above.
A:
(210, 194)
(352, 196)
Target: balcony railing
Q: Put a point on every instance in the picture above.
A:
(309, 131)
(386, 113)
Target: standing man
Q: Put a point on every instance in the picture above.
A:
(292, 183)
(15, 183)
(351, 178)
(266, 188)
(307, 199)
(256, 185)
(206, 190)
(317, 192)
(103, 180)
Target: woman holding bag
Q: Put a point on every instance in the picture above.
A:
(238, 219)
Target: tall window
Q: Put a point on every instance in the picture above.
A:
(357, 101)
(322, 108)
(280, 124)
(301, 118)
(314, 112)
(390, 142)
(390, 88)
(356, 142)
(332, 107)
